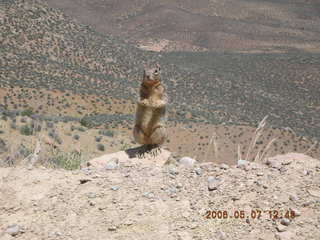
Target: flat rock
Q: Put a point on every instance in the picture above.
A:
(187, 161)
(155, 157)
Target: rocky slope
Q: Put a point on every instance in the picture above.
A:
(137, 201)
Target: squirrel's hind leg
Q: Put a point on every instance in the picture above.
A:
(139, 135)
(159, 135)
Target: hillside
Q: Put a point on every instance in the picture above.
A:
(224, 25)
(61, 69)
(58, 53)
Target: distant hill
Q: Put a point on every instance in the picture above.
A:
(223, 25)
(44, 49)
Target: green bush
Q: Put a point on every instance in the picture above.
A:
(107, 133)
(26, 130)
(27, 112)
(86, 123)
(98, 138)
(100, 147)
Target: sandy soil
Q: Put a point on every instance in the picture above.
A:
(138, 201)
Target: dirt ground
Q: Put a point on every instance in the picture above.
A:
(177, 201)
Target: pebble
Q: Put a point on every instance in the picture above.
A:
(187, 161)
(293, 198)
(224, 166)
(242, 162)
(273, 163)
(112, 228)
(128, 222)
(112, 164)
(212, 183)
(297, 213)
(173, 170)
(198, 171)
(115, 188)
(149, 195)
(14, 230)
(84, 180)
(179, 185)
(91, 195)
(285, 221)
(281, 228)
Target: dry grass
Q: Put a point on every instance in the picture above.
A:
(263, 151)
(215, 146)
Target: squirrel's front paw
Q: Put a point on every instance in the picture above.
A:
(144, 102)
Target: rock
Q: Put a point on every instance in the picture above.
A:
(84, 180)
(148, 195)
(198, 171)
(112, 228)
(281, 228)
(187, 162)
(112, 164)
(293, 197)
(91, 195)
(173, 170)
(115, 188)
(224, 166)
(259, 174)
(297, 213)
(14, 230)
(157, 157)
(213, 183)
(179, 185)
(285, 221)
(242, 162)
(274, 163)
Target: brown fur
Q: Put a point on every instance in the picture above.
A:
(151, 110)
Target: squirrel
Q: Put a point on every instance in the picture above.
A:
(150, 127)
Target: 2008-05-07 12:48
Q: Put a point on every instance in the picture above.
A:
(253, 214)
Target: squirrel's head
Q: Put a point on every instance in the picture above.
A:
(151, 76)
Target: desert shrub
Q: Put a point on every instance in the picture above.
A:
(100, 147)
(69, 161)
(86, 123)
(49, 124)
(98, 138)
(26, 130)
(81, 129)
(27, 112)
(55, 136)
(107, 133)
(51, 133)
(24, 151)
(76, 137)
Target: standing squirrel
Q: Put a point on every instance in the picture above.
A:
(150, 119)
